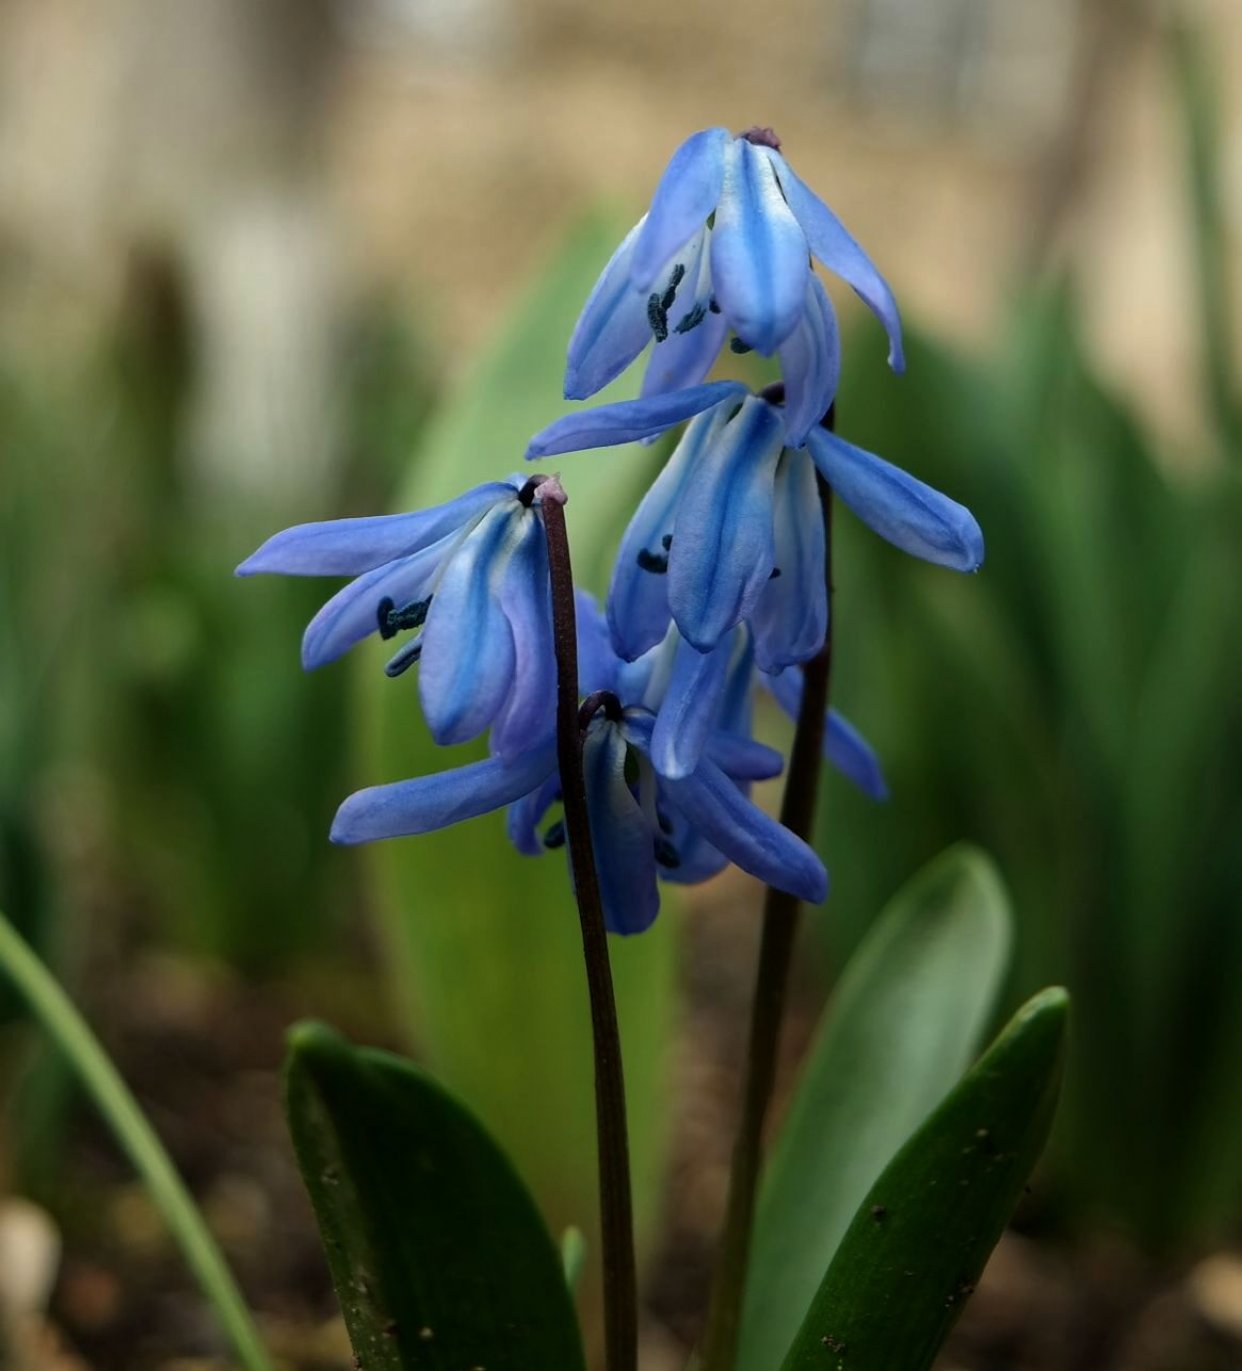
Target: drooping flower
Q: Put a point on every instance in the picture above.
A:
(643, 824)
(726, 246)
(469, 579)
(731, 530)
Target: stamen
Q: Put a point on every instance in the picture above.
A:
(555, 836)
(713, 306)
(657, 317)
(666, 854)
(736, 345)
(404, 659)
(693, 319)
(776, 571)
(654, 562)
(670, 291)
(392, 621)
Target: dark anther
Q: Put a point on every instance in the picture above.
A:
(692, 320)
(405, 659)
(667, 541)
(666, 824)
(774, 394)
(527, 494)
(666, 854)
(594, 702)
(654, 562)
(555, 836)
(776, 571)
(762, 137)
(670, 291)
(392, 620)
(657, 317)
(713, 306)
(736, 345)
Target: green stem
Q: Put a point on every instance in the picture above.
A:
(53, 1008)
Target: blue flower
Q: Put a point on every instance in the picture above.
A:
(469, 579)
(727, 245)
(643, 824)
(731, 530)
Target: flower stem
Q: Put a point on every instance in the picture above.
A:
(616, 1210)
(780, 927)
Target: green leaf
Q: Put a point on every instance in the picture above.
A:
(903, 1025)
(439, 1256)
(484, 953)
(920, 1238)
(49, 1004)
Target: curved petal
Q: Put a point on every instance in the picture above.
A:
(628, 420)
(683, 360)
(528, 715)
(638, 610)
(612, 329)
(905, 511)
(790, 617)
(760, 259)
(598, 663)
(723, 551)
(844, 746)
(853, 756)
(352, 614)
(469, 657)
(742, 758)
(687, 713)
(526, 814)
(811, 365)
(746, 835)
(737, 705)
(687, 194)
(832, 244)
(621, 837)
(430, 802)
(348, 547)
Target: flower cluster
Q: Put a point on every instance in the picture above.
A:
(719, 583)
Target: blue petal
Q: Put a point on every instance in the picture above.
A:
(352, 614)
(621, 837)
(760, 260)
(742, 758)
(612, 329)
(737, 705)
(687, 194)
(790, 618)
(723, 552)
(638, 611)
(348, 547)
(909, 514)
(831, 243)
(844, 746)
(430, 802)
(526, 814)
(598, 663)
(528, 715)
(628, 420)
(811, 365)
(750, 838)
(687, 713)
(469, 657)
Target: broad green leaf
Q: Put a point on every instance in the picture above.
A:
(903, 1025)
(439, 1256)
(483, 947)
(921, 1236)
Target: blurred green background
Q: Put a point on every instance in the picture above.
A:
(262, 262)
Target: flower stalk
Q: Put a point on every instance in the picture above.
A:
(616, 1207)
(780, 927)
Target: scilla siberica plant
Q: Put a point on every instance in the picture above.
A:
(637, 721)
